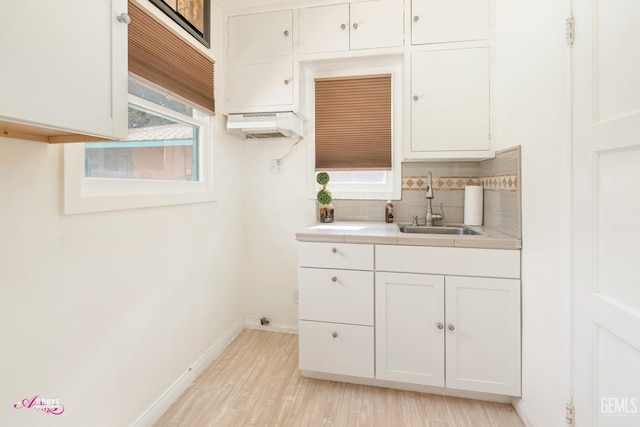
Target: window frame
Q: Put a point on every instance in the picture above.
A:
(392, 188)
(84, 194)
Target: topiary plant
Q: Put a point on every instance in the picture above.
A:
(324, 198)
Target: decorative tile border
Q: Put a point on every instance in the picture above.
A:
(503, 182)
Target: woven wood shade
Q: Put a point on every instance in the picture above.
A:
(159, 55)
(353, 123)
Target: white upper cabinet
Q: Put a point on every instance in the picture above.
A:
(450, 105)
(265, 87)
(64, 72)
(324, 29)
(377, 24)
(445, 21)
(261, 35)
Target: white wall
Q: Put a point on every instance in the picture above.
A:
(532, 75)
(106, 311)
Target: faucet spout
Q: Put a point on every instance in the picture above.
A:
(429, 194)
(430, 217)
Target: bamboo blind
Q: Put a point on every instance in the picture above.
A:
(353, 123)
(163, 57)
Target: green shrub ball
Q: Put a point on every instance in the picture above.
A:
(324, 197)
(322, 178)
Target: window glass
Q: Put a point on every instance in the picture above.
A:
(157, 148)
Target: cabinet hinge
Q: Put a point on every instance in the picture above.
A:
(569, 413)
(570, 34)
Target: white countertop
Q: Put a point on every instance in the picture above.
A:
(389, 234)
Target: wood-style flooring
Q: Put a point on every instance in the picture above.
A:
(256, 382)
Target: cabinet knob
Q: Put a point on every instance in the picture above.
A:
(439, 325)
(334, 334)
(416, 97)
(416, 18)
(124, 18)
(334, 279)
(286, 33)
(334, 250)
(343, 26)
(355, 26)
(286, 81)
(451, 327)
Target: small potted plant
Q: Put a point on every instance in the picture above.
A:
(324, 198)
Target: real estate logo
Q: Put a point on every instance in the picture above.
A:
(619, 406)
(48, 406)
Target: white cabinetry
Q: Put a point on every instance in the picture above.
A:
(446, 21)
(450, 106)
(265, 86)
(64, 72)
(363, 25)
(335, 286)
(261, 35)
(470, 325)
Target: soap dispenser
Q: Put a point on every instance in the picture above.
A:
(388, 212)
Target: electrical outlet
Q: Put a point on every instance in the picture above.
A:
(276, 166)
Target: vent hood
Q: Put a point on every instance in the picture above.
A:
(265, 125)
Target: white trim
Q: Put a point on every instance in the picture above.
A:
(82, 195)
(311, 70)
(253, 323)
(489, 397)
(175, 390)
(522, 412)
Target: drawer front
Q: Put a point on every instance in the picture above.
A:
(342, 296)
(349, 352)
(448, 261)
(335, 255)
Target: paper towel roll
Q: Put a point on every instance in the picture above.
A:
(473, 195)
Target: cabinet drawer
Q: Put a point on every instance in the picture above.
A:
(349, 352)
(335, 255)
(341, 296)
(449, 261)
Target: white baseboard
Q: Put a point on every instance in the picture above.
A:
(489, 397)
(522, 411)
(251, 323)
(166, 399)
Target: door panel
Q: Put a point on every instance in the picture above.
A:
(606, 148)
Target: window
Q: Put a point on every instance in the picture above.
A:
(166, 159)
(354, 110)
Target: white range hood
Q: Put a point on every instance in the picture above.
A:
(265, 125)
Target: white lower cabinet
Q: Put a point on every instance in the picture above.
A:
(433, 326)
(457, 332)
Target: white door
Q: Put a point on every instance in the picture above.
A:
(260, 87)
(606, 205)
(261, 35)
(323, 29)
(450, 105)
(444, 21)
(410, 328)
(483, 334)
(378, 23)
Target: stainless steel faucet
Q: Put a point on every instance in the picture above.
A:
(429, 196)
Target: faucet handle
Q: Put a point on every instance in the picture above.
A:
(415, 221)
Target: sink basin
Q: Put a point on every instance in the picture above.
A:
(460, 231)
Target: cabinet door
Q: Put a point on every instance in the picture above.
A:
(483, 334)
(376, 24)
(261, 35)
(336, 348)
(442, 21)
(450, 106)
(263, 87)
(65, 66)
(324, 29)
(409, 328)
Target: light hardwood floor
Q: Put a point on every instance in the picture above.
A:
(256, 382)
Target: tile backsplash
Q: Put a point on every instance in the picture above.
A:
(499, 176)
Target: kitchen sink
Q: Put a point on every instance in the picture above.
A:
(448, 229)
